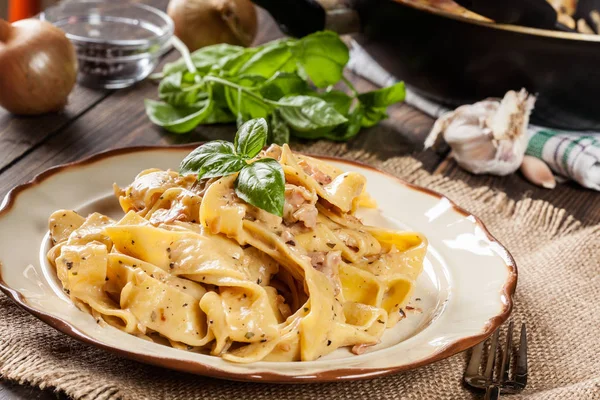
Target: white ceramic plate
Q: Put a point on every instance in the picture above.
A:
(464, 293)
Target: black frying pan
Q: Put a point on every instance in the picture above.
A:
(455, 60)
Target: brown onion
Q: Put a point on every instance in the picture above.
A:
(38, 67)
(200, 23)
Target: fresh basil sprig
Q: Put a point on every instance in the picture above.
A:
(288, 82)
(260, 182)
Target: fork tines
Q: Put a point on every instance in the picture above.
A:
(506, 379)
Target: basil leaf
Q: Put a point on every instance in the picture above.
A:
(178, 93)
(218, 95)
(338, 100)
(349, 129)
(279, 132)
(249, 81)
(251, 137)
(283, 84)
(171, 85)
(177, 119)
(232, 63)
(262, 184)
(218, 165)
(307, 113)
(322, 56)
(269, 60)
(384, 97)
(302, 73)
(284, 41)
(194, 161)
(188, 78)
(245, 105)
(212, 159)
(219, 115)
(372, 115)
(204, 58)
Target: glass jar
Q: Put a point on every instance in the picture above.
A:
(118, 43)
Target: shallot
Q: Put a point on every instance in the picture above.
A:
(38, 67)
(200, 23)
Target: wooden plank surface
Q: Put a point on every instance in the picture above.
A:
(22, 134)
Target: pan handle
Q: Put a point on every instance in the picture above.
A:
(302, 17)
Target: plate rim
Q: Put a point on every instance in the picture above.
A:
(199, 368)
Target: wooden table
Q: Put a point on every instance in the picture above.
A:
(97, 120)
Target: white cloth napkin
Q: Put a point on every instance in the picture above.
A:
(575, 155)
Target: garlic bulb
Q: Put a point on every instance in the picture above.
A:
(488, 136)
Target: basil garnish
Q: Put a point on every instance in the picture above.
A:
(260, 183)
(251, 137)
(212, 159)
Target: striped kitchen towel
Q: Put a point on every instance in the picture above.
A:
(575, 155)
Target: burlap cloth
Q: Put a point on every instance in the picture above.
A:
(557, 295)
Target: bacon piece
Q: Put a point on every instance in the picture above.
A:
(315, 173)
(329, 264)
(307, 214)
(348, 240)
(300, 206)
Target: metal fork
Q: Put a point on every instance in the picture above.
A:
(504, 381)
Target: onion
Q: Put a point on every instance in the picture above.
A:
(200, 23)
(38, 67)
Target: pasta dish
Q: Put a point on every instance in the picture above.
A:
(193, 265)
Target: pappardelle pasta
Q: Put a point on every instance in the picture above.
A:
(192, 265)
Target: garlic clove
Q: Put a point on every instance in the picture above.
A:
(537, 172)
